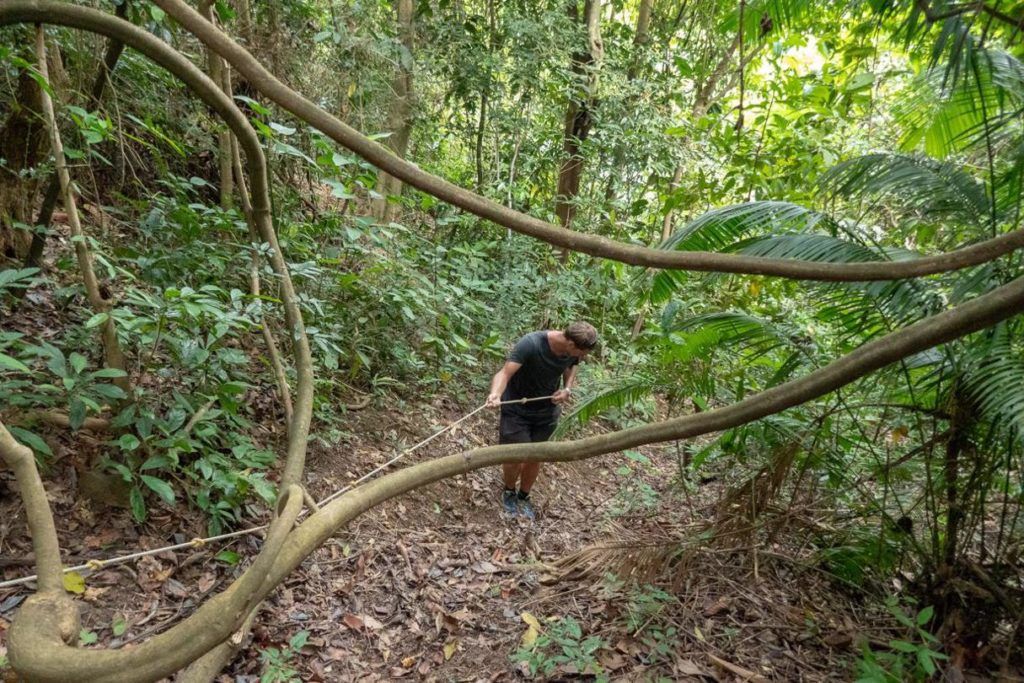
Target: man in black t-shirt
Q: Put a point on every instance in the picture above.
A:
(536, 366)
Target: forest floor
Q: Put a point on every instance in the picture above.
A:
(614, 577)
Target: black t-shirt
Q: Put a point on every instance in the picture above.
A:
(540, 375)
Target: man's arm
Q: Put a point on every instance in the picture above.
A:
(568, 378)
(500, 381)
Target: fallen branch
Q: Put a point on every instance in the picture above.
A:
(58, 419)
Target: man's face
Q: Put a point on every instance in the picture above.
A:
(577, 351)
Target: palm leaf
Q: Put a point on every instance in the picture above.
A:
(615, 395)
(719, 229)
(917, 185)
(699, 335)
(944, 112)
(993, 376)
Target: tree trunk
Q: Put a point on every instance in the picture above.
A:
(400, 116)
(22, 145)
(216, 68)
(100, 304)
(640, 40)
(578, 115)
(110, 59)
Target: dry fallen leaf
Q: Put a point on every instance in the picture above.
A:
(74, 583)
(449, 649)
(407, 662)
(353, 621)
(531, 620)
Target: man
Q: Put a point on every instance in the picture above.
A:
(535, 367)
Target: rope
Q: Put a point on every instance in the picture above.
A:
(197, 543)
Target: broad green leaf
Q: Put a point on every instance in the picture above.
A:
(228, 557)
(12, 364)
(78, 362)
(159, 486)
(138, 504)
(97, 320)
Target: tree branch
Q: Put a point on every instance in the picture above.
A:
(39, 655)
(37, 511)
(378, 155)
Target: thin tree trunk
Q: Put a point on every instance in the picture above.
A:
(111, 348)
(578, 115)
(215, 67)
(666, 224)
(640, 40)
(42, 223)
(480, 128)
(22, 139)
(400, 116)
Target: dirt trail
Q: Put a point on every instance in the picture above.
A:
(435, 585)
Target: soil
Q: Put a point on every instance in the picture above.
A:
(440, 585)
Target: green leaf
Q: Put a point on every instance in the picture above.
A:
(924, 658)
(13, 364)
(228, 557)
(119, 625)
(33, 441)
(108, 391)
(298, 640)
(138, 504)
(156, 462)
(902, 646)
(925, 615)
(76, 413)
(128, 442)
(87, 637)
(160, 487)
(78, 362)
(109, 373)
(97, 320)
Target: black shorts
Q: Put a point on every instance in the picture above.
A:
(518, 428)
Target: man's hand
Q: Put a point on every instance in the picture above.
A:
(493, 401)
(561, 396)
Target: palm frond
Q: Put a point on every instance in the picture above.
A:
(945, 113)
(993, 376)
(820, 248)
(618, 394)
(720, 229)
(752, 336)
(917, 185)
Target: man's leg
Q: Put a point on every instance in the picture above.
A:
(511, 429)
(530, 470)
(528, 474)
(510, 473)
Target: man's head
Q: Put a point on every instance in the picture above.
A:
(582, 336)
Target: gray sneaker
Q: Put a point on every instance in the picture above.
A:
(526, 509)
(508, 502)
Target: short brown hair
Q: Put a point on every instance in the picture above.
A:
(582, 334)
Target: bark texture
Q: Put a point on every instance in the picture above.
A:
(579, 114)
(399, 122)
